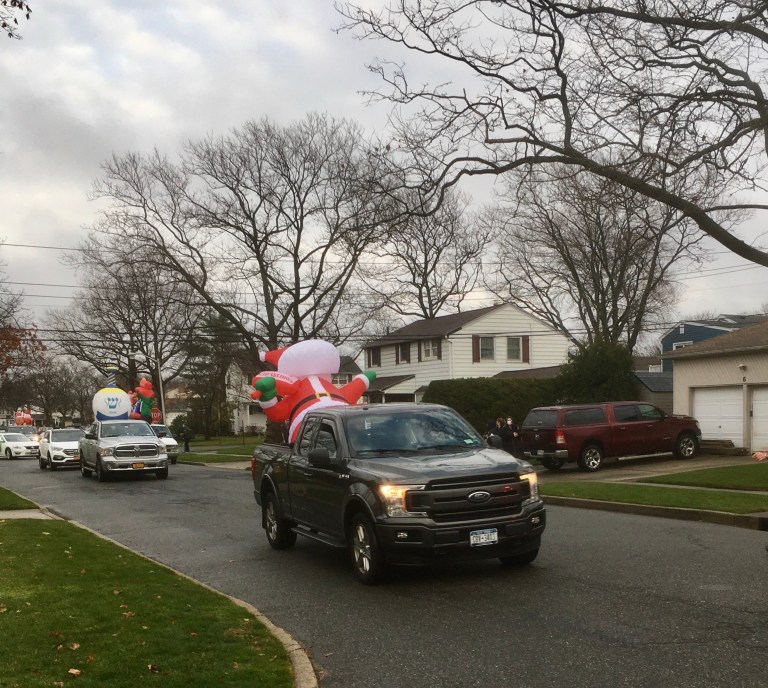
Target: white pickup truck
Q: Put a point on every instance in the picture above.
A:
(112, 447)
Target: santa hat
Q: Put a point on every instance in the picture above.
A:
(272, 357)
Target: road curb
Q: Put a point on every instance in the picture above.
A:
(750, 521)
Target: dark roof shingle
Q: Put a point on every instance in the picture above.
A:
(749, 338)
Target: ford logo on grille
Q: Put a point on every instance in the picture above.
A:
(479, 497)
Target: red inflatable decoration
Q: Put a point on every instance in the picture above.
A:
(303, 381)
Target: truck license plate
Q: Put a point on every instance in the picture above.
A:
(137, 465)
(489, 536)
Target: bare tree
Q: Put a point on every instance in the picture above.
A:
(663, 98)
(575, 248)
(125, 305)
(267, 225)
(10, 10)
(431, 262)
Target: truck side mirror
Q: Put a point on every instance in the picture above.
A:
(494, 441)
(89, 436)
(319, 457)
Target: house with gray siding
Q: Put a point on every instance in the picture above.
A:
(477, 343)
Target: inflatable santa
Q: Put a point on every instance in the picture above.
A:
(303, 381)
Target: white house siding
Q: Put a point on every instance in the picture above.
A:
(722, 371)
(424, 372)
(547, 347)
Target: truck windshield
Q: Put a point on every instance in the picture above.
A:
(409, 431)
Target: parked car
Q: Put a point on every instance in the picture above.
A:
(171, 445)
(110, 447)
(60, 447)
(15, 444)
(589, 433)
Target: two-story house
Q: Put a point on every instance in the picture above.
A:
(478, 343)
(688, 332)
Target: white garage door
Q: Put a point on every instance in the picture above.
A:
(759, 418)
(720, 412)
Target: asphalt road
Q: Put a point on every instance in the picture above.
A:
(613, 599)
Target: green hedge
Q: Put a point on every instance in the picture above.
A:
(481, 399)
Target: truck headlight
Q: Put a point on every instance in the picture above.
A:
(107, 451)
(394, 499)
(533, 487)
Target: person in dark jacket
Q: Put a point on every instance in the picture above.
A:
(504, 431)
(515, 443)
(186, 435)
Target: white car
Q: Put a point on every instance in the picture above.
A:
(171, 445)
(14, 445)
(60, 447)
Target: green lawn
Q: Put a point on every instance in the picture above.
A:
(752, 476)
(11, 501)
(228, 449)
(78, 610)
(678, 497)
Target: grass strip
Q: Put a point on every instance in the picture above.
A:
(681, 498)
(211, 458)
(11, 501)
(76, 608)
(753, 476)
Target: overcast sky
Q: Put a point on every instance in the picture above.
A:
(95, 76)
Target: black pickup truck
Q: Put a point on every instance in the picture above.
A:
(398, 484)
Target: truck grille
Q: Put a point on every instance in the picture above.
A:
(135, 451)
(447, 500)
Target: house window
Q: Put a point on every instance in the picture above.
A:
(429, 348)
(486, 349)
(342, 378)
(514, 349)
(680, 345)
(374, 356)
(682, 329)
(404, 352)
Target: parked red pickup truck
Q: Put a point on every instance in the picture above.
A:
(589, 433)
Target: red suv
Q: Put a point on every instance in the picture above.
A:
(589, 433)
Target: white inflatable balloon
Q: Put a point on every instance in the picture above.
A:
(111, 403)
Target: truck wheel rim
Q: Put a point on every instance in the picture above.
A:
(362, 549)
(593, 459)
(271, 521)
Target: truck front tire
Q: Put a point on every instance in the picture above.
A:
(367, 560)
(279, 533)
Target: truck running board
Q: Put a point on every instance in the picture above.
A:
(320, 537)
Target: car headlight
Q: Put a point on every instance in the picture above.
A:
(394, 499)
(533, 487)
(107, 451)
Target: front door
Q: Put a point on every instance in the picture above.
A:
(629, 433)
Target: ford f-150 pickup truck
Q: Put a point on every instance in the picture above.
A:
(398, 484)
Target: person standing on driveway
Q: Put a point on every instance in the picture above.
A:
(516, 448)
(186, 435)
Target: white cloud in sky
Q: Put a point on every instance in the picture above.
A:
(93, 77)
